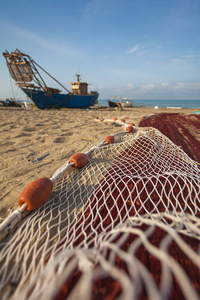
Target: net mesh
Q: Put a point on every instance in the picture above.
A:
(126, 226)
(20, 71)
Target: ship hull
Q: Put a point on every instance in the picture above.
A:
(43, 101)
(112, 104)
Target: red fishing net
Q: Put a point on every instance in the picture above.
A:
(127, 226)
(180, 129)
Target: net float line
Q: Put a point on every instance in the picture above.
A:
(121, 121)
(37, 192)
(99, 229)
(119, 202)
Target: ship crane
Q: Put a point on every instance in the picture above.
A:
(23, 70)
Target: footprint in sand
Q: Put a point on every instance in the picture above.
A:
(61, 139)
(22, 134)
(29, 129)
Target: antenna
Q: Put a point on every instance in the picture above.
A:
(78, 76)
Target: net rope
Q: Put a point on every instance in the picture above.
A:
(126, 226)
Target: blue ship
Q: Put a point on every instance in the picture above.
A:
(24, 70)
(42, 99)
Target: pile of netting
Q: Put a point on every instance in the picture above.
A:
(125, 226)
(181, 129)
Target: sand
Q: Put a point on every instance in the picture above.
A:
(28, 134)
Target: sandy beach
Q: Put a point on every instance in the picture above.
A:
(28, 134)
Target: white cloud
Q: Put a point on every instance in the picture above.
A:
(178, 85)
(191, 56)
(165, 90)
(134, 49)
(177, 60)
(130, 85)
(195, 86)
(54, 45)
(184, 58)
(148, 86)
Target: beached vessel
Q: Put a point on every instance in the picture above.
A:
(23, 69)
(113, 104)
(120, 102)
(126, 102)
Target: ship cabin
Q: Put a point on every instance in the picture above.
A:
(79, 88)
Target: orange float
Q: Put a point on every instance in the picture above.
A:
(122, 121)
(110, 139)
(132, 124)
(79, 160)
(101, 120)
(115, 119)
(129, 129)
(36, 193)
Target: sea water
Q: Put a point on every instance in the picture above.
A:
(159, 103)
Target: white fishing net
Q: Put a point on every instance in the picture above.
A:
(126, 226)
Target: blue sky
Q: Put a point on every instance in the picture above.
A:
(147, 49)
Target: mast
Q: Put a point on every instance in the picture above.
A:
(78, 77)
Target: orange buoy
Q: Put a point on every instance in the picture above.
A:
(115, 119)
(110, 139)
(132, 124)
(129, 129)
(36, 193)
(101, 120)
(122, 121)
(79, 160)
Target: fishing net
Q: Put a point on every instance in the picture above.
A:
(126, 226)
(182, 129)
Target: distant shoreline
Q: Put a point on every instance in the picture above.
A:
(176, 104)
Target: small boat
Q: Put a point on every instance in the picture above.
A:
(120, 102)
(23, 69)
(10, 102)
(174, 107)
(117, 105)
(112, 104)
(126, 102)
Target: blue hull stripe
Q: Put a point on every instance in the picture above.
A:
(42, 100)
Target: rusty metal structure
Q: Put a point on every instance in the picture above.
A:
(23, 69)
